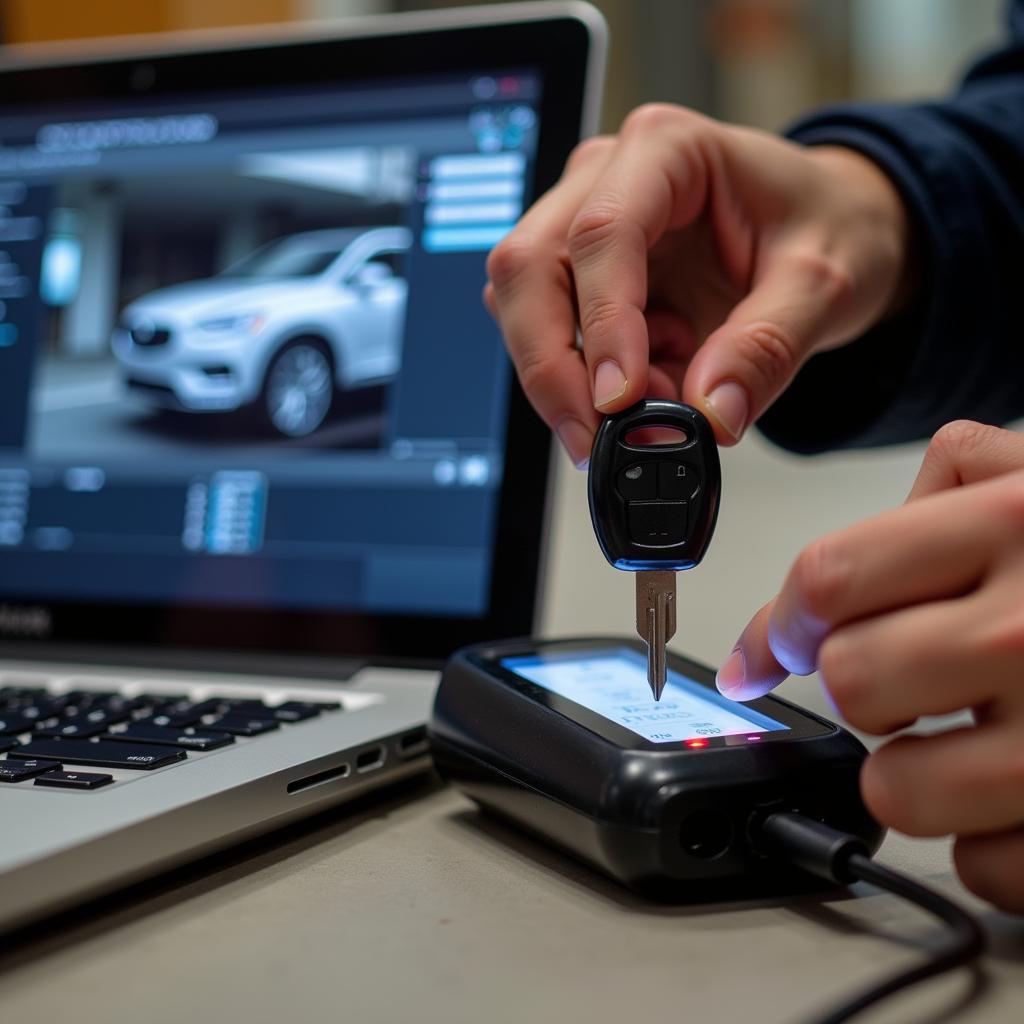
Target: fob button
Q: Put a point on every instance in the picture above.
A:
(677, 481)
(657, 524)
(639, 482)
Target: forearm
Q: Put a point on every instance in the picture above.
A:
(951, 346)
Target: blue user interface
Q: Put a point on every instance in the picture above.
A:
(244, 361)
(613, 683)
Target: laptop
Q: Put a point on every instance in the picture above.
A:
(263, 460)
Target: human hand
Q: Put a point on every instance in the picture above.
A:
(702, 261)
(920, 611)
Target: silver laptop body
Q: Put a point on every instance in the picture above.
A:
(247, 503)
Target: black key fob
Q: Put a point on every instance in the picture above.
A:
(654, 506)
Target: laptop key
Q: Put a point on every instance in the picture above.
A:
(13, 724)
(18, 771)
(243, 725)
(116, 708)
(143, 732)
(99, 716)
(102, 754)
(162, 699)
(210, 706)
(41, 709)
(245, 706)
(129, 705)
(74, 729)
(178, 720)
(22, 692)
(82, 699)
(74, 780)
(289, 711)
(6, 742)
(295, 711)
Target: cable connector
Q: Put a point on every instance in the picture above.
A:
(811, 845)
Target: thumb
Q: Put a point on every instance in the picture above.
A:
(745, 364)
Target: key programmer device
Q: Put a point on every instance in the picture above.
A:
(563, 738)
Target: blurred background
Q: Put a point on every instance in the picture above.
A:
(759, 62)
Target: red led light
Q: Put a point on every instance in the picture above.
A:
(696, 744)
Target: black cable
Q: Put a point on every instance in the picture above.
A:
(843, 858)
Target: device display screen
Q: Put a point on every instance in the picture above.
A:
(613, 683)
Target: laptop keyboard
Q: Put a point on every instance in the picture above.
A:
(56, 737)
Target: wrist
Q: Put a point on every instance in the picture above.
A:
(881, 213)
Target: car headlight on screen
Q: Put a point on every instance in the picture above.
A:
(250, 323)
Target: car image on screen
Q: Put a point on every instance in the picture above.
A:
(281, 330)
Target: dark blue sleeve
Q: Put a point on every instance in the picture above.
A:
(959, 351)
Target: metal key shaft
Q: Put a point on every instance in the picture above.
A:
(656, 621)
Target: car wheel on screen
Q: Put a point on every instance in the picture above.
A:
(299, 388)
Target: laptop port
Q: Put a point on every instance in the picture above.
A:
(412, 744)
(327, 775)
(370, 759)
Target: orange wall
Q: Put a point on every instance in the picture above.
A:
(25, 21)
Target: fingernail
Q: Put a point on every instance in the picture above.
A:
(729, 405)
(577, 439)
(732, 675)
(609, 382)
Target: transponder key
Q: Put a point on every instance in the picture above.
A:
(653, 504)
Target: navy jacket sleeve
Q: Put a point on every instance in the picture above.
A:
(959, 352)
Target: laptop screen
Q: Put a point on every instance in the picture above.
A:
(244, 361)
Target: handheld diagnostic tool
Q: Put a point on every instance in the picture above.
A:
(563, 738)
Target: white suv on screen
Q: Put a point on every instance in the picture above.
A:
(282, 329)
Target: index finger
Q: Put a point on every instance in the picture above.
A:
(532, 294)
(656, 180)
(965, 452)
(935, 548)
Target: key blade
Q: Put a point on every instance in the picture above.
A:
(656, 622)
(657, 672)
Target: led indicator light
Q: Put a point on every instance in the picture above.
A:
(696, 744)
(753, 739)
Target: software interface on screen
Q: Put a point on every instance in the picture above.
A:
(614, 684)
(243, 356)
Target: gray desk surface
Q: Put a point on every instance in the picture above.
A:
(413, 907)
